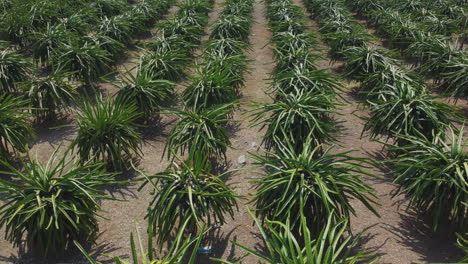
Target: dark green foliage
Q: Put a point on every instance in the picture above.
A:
(188, 192)
(299, 60)
(165, 64)
(287, 42)
(181, 247)
(109, 8)
(48, 95)
(362, 61)
(86, 59)
(310, 81)
(455, 78)
(403, 109)
(211, 87)
(14, 68)
(433, 173)
(232, 66)
(225, 47)
(48, 40)
(320, 183)
(118, 28)
(232, 27)
(148, 11)
(15, 130)
(144, 91)
(376, 83)
(107, 132)
(329, 245)
(113, 47)
(297, 117)
(340, 41)
(52, 204)
(200, 133)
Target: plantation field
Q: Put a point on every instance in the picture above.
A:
(196, 122)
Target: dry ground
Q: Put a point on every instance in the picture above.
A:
(397, 236)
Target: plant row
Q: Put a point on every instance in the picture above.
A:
(429, 163)
(441, 17)
(431, 53)
(306, 191)
(51, 205)
(197, 145)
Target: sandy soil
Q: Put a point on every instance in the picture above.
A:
(397, 236)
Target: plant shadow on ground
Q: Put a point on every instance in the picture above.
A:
(126, 186)
(413, 231)
(381, 157)
(72, 255)
(364, 240)
(219, 242)
(355, 94)
(155, 128)
(56, 131)
(434, 247)
(464, 111)
(232, 128)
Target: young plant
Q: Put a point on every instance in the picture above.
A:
(432, 174)
(386, 78)
(455, 79)
(189, 192)
(47, 95)
(118, 28)
(296, 60)
(307, 81)
(233, 66)
(107, 132)
(185, 29)
(406, 110)
(109, 8)
(165, 64)
(431, 53)
(296, 116)
(181, 247)
(210, 88)
(225, 47)
(237, 7)
(200, 132)
(84, 58)
(163, 43)
(14, 68)
(48, 40)
(322, 184)
(329, 246)
(79, 23)
(113, 47)
(15, 130)
(340, 41)
(146, 92)
(150, 11)
(287, 42)
(232, 27)
(52, 204)
(361, 61)
(363, 7)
